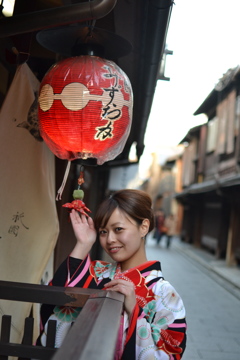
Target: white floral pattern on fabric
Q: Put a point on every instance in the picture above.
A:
(66, 313)
(153, 275)
(156, 328)
(104, 270)
(62, 329)
(150, 310)
(163, 318)
(158, 315)
(168, 296)
(143, 334)
(147, 353)
(61, 332)
(64, 317)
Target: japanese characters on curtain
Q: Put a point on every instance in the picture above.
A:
(28, 222)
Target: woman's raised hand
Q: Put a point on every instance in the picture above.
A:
(85, 233)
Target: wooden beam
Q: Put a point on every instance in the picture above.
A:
(43, 294)
(98, 323)
(92, 336)
(25, 351)
(62, 15)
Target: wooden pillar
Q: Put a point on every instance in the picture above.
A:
(233, 233)
(198, 221)
(223, 229)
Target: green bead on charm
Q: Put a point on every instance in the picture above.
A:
(78, 194)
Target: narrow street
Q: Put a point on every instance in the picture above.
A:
(212, 304)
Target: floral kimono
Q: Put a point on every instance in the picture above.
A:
(157, 329)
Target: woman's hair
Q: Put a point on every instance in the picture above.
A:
(135, 203)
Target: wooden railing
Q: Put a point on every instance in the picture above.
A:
(93, 335)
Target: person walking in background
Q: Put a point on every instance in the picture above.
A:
(170, 227)
(159, 225)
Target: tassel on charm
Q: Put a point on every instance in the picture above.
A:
(60, 190)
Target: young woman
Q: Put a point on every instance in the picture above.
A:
(153, 321)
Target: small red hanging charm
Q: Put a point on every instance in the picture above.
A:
(78, 195)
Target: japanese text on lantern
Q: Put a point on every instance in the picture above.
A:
(109, 111)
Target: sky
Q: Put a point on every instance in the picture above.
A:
(204, 36)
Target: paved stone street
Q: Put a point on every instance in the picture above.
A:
(212, 303)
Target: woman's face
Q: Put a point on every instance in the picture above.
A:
(122, 239)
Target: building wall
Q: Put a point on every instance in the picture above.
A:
(210, 176)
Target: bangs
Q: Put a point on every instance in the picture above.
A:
(135, 204)
(104, 212)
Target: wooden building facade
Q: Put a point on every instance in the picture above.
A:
(211, 176)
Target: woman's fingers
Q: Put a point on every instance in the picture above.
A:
(126, 288)
(90, 222)
(79, 218)
(83, 227)
(120, 281)
(74, 216)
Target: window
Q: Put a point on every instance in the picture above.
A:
(212, 134)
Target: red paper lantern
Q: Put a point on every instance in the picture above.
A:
(85, 109)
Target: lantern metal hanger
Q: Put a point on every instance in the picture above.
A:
(81, 39)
